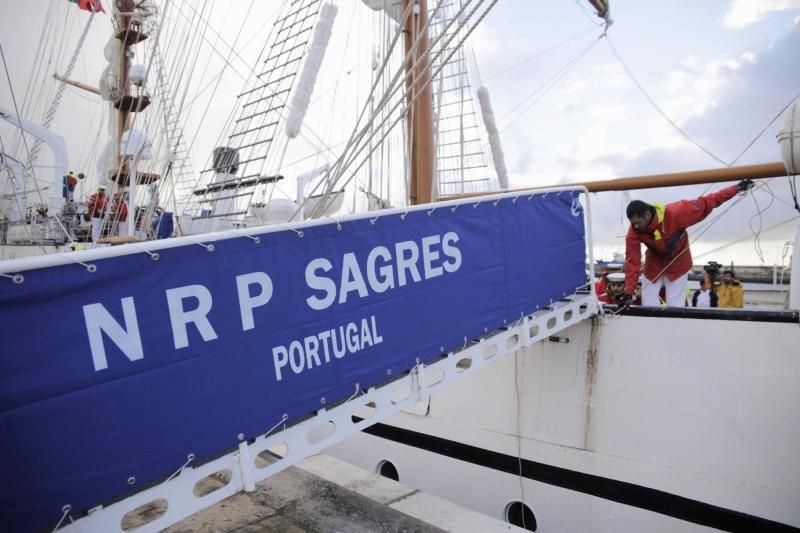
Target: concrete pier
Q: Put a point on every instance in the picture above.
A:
(324, 494)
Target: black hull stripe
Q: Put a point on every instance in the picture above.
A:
(716, 313)
(647, 498)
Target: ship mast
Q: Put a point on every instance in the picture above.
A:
(130, 98)
(420, 113)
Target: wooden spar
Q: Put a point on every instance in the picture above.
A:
(601, 6)
(77, 84)
(420, 125)
(766, 170)
(123, 22)
(675, 179)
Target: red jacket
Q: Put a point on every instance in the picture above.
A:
(97, 205)
(666, 239)
(606, 298)
(121, 208)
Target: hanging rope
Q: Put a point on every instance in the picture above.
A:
(51, 111)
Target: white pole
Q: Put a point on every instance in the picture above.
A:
(794, 284)
(132, 193)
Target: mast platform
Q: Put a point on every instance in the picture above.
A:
(131, 36)
(122, 177)
(131, 103)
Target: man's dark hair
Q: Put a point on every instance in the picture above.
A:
(733, 275)
(639, 208)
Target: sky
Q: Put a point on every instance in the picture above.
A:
(567, 105)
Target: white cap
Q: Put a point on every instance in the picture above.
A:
(615, 277)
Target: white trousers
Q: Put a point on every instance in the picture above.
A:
(676, 291)
(97, 225)
(123, 228)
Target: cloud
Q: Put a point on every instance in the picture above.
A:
(751, 97)
(742, 13)
(722, 104)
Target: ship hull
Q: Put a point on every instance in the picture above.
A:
(652, 423)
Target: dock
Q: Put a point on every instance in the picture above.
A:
(324, 494)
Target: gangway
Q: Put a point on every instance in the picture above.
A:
(288, 446)
(440, 292)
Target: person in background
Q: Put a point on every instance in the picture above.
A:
(600, 286)
(704, 297)
(120, 213)
(96, 210)
(615, 288)
(662, 229)
(731, 291)
(70, 181)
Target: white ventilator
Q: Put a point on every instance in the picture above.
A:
(494, 137)
(789, 139)
(305, 84)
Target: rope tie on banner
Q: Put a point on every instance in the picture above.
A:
(358, 391)
(189, 459)
(155, 256)
(89, 267)
(465, 344)
(283, 420)
(372, 221)
(253, 238)
(338, 226)
(16, 278)
(431, 211)
(476, 204)
(208, 247)
(418, 379)
(515, 199)
(65, 512)
(453, 209)
(531, 196)
(404, 215)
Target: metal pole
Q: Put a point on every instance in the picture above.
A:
(794, 283)
(132, 192)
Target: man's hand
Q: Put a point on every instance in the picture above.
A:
(744, 185)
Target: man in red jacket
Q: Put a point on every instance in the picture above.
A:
(662, 229)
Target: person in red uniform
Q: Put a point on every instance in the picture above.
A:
(96, 209)
(662, 229)
(614, 292)
(615, 288)
(70, 180)
(119, 213)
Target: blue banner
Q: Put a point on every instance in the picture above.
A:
(121, 373)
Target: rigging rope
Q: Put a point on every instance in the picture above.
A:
(51, 112)
(657, 107)
(415, 90)
(539, 54)
(550, 83)
(28, 151)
